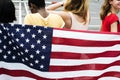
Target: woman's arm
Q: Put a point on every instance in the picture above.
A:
(88, 17)
(54, 6)
(114, 27)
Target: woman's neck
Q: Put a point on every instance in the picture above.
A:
(114, 10)
(43, 12)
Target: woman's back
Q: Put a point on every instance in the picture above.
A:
(52, 20)
(78, 24)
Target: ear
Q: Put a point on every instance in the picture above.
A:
(31, 5)
(110, 2)
(33, 8)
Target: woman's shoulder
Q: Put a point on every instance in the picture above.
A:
(54, 15)
(112, 18)
(112, 15)
(32, 14)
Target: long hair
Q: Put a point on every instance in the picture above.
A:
(7, 11)
(79, 7)
(105, 9)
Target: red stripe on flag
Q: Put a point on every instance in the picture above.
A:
(83, 67)
(65, 55)
(80, 42)
(20, 73)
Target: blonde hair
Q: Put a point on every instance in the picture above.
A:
(105, 9)
(78, 7)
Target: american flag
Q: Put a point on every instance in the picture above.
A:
(41, 53)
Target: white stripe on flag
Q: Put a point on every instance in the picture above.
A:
(74, 49)
(7, 77)
(70, 62)
(109, 78)
(86, 36)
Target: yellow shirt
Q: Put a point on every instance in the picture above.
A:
(52, 20)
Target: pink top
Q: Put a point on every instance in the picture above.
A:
(77, 25)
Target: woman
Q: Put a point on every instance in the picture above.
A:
(7, 11)
(75, 14)
(109, 17)
(41, 17)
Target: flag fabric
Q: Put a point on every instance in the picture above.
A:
(42, 53)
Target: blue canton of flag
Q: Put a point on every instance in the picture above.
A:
(30, 46)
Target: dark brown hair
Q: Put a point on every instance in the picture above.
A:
(7, 11)
(105, 9)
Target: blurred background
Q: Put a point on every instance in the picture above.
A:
(94, 7)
